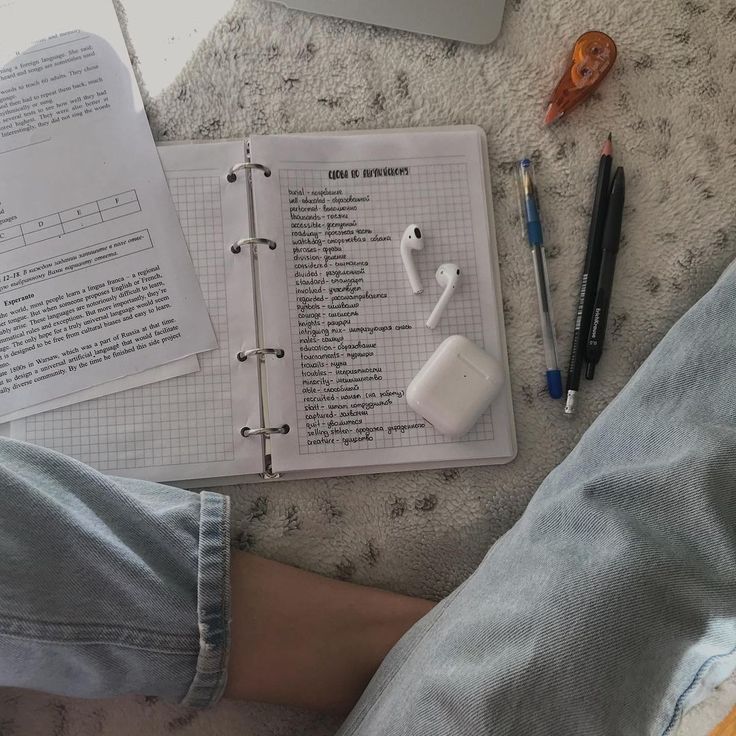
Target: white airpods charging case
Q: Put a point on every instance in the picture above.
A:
(455, 386)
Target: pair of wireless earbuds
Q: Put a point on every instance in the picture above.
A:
(448, 274)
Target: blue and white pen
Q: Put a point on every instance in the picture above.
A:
(533, 229)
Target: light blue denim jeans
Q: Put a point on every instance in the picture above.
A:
(110, 586)
(608, 609)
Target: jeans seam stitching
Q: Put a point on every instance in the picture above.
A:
(85, 633)
(697, 679)
(99, 642)
(47, 629)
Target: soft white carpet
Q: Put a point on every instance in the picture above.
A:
(670, 104)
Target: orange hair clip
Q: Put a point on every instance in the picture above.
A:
(592, 58)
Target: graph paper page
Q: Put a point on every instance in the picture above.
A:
(339, 302)
(187, 427)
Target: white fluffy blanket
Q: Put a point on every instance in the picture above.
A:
(670, 104)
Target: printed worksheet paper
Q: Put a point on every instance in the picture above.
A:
(186, 428)
(96, 282)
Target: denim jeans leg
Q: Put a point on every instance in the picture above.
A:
(610, 607)
(110, 586)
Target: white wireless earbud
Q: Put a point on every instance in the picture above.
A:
(448, 276)
(411, 240)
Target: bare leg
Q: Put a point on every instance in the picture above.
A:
(301, 639)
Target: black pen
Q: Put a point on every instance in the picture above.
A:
(611, 240)
(589, 281)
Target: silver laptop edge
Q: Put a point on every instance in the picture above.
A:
(473, 21)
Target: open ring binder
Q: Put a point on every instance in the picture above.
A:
(265, 431)
(236, 247)
(247, 166)
(243, 355)
(323, 296)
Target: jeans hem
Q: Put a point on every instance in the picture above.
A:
(213, 602)
(681, 706)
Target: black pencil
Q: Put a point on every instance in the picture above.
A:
(589, 281)
(611, 240)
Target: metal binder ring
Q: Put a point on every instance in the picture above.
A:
(247, 165)
(265, 431)
(243, 355)
(238, 244)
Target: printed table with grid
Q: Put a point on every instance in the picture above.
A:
(69, 221)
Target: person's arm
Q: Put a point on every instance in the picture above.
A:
(302, 639)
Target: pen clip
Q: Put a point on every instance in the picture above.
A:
(529, 203)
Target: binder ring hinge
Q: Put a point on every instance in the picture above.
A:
(265, 431)
(237, 246)
(243, 355)
(247, 166)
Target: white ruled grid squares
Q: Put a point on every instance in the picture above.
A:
(182, 420)
(436, 197)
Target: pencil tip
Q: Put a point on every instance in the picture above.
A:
(608, 147)
(610, 137)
